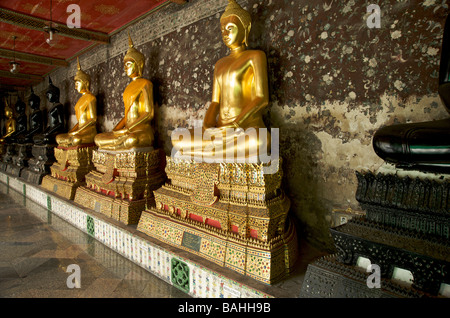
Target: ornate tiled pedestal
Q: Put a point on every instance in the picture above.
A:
(405, 230)
(68, 173)
(122, 183)
(196, 277)
(39, 165)
(231, 214)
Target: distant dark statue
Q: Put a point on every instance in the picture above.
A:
(55, 118)
(423, 145)
(35, 120)
(21, 121)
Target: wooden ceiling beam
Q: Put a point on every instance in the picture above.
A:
(12, 88)
(33, 58)
(29, 77)
(34, 23)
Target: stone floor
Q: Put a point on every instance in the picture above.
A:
(36, 248)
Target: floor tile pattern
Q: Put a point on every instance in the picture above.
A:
(37, 246)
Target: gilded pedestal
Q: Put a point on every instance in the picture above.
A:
(69, 171)
(122, 183)
(230, 213)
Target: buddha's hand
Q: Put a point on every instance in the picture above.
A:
(122, 131)
(233, 125)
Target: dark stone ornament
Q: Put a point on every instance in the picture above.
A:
(421, 146)
(406, 226)
(21, 151)
(44, 142)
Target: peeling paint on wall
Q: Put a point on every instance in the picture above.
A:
(333, 83)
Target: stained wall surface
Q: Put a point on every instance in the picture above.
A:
(333, 82)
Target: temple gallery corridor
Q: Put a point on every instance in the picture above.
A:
(37, 247)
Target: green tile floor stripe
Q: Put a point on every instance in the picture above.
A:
(90, 225)
(49, 203)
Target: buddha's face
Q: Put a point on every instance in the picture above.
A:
(52, 96)
(80, 86)
(233, 33)
(8, 113)
(20, 108)
(34, 104)
(131, 68)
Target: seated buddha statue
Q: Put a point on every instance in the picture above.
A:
(55, 118)
(10, 124)
(134, 130)
(240, 94)
(425, 144)
(35, 120)
(85, 129)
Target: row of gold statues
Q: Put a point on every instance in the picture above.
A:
(233, 214)
(230, 213)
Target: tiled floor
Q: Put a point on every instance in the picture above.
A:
(36, 247)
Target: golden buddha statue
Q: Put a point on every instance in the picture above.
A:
(134, 130)
(10, 124)
(226, 208)
(127, 169)
(240, 94)
(74, 151)
(6, 142)
(85, 129)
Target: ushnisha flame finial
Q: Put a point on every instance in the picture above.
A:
(134, 55)
(130, 41)
(81, 75)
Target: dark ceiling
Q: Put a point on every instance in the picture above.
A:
(23, 36)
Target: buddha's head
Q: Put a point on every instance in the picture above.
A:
(82, 80)
(134, 61)
(34, 101)
(20, 107)
(235, 25)
(8, 111)
(52, 92)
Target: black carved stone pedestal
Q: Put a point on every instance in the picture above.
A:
(39, 165)
(10, 151)
(20, 160)
(328, 277)
(405, 228)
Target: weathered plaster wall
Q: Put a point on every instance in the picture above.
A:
(333, 82)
